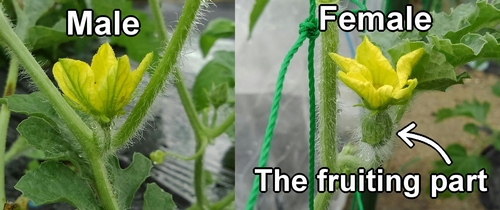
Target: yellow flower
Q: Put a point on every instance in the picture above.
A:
(373, 78)
(103, 88)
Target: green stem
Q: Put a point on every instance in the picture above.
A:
(198, 153)
(17, 148)
(101, 179)
(10, 88)
(158, 79)
(184, 95)
(199, 185)
(179, 83)
(219, 130)
(328, 108)
(226, 201)
(4, 124)
(214, 118)
(44, 84)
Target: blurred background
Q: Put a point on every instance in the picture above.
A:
(258, 61)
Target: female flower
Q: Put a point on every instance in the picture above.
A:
(103, 88)
(373, 78)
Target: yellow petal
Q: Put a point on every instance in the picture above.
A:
(124, 85)
(351, 65)
(102, 62)
(405, 93)
(143, 66)
(373, 98)
(370, 56)
(405, 65)
(381, 98)
(76, 80)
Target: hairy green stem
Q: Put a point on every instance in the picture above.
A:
(198, 128)
(10, 88)
(328, 109)
(102, 184)
(158, 79)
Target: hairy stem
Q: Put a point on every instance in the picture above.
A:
(198, 128)
(158, 79)
(10, 88)
(328, 109)
(101, 179)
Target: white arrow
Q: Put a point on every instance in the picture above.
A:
(405, 135)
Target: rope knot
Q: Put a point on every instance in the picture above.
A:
(310, 27)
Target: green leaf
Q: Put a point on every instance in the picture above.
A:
(496, 89)
(451, 22)
(34, 104)
(484, 15)
(128, 180)
(474, 110)
(463, 163)
(42, 37)
(147, 38)
(470, 48)
(53, 182)
(216, 29)
(218, 71)
(472, 129)
(157, 199)
(433, 71)
(43, 136)
(28, 12)
(257, 10)
(465, 35)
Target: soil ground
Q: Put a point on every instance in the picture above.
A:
(445, 133)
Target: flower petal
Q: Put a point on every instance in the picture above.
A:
(125, 84)
(405, 65)
(143, 66)
(351, 65)
(405, 93)
(382, 96)
(76, 80)
(102, 62)
(372, 97)
(370, 56)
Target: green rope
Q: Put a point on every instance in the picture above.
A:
(308, 29)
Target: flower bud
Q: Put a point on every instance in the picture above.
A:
(157, 156)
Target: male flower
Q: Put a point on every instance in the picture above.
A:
(373, 78)
(103, 88)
